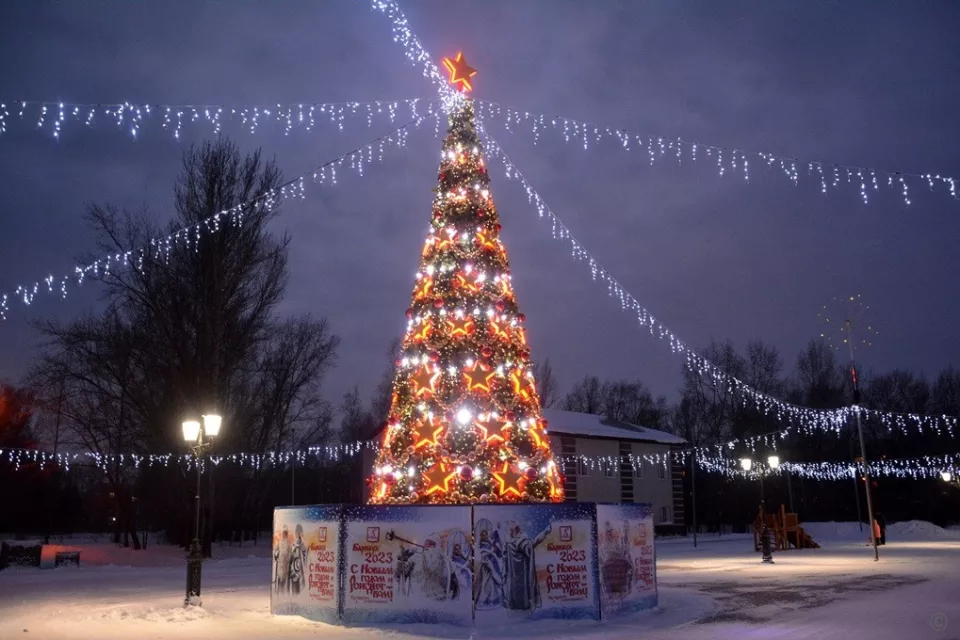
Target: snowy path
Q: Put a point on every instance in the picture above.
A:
(720, 590)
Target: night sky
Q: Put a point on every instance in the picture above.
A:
(873, 84)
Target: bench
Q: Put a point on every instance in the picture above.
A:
(66, 558)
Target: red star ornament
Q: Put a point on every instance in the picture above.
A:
(492, 428)
(521, 385)
(423, 333)
(460, 326)
(509, 479)
(427, 433)
(460, 73)
(437, 479)
(478, 378)
(424, 381)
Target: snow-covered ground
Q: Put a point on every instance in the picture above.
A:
(717, 590)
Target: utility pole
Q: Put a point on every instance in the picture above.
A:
(693, 491)
(863, 447)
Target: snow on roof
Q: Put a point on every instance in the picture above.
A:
(589, 425)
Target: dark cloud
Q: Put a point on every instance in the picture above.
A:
(873, 84)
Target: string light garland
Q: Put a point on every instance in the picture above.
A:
(923, 467)
(414, 50)
(828, 176)
(808, 420)
(906, 468)
(54, 117)
(189, 236)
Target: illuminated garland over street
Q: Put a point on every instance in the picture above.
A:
(728, 160)
(806, 419)
(910, 468)
(54, 117)
(188, 236)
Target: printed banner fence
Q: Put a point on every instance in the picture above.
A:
(306, 562)
(627, 563)
(420, 564)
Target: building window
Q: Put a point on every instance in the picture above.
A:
(639, 470)
(609, 468)
(662, 470)
(583, 467)
(663, 515)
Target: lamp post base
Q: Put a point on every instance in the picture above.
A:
(194, 573)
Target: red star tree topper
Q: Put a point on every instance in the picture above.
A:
(465, 423)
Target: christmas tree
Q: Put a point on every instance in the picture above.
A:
(464, 424)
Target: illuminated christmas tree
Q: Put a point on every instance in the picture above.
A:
(464, 424)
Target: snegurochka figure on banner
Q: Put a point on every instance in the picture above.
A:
(281, 561)
(461, 576)
(488, 583)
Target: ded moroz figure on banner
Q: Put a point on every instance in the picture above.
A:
(520, 588)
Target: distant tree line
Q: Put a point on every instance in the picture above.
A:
(707, 413)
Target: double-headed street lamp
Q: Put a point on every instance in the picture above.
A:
(200, 438)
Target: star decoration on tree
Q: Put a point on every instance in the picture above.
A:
(499, 329)
(427, 433)
(437, 479)
(478, 378)
(424, 289)
(467, 285)
(460, 73)
(461, 326)
(521, 385)
(509, 478)
(424, 381)
(423, 333)
(492, 427)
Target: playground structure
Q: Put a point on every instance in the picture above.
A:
(787, 532)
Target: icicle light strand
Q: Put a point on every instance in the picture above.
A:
(176, 119)
(189, 236)
(805, 418)
(930, 466)
(728, 161)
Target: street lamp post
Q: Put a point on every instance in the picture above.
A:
(193, 433)
(948, 477)
(773, 463)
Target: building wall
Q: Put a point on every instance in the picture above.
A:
(604, 483)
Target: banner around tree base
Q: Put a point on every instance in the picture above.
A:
(419, 564)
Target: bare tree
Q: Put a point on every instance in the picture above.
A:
(189, 328)
(546, 383)
(383, 394)
(710, 400)
(820, 380)
(587, 396)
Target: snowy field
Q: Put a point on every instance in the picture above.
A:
(718, 590)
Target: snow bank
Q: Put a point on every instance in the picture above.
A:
(912, 531)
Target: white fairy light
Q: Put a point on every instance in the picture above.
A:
(789, 414)
(732, 160)
(132, 118)
(161, 248)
